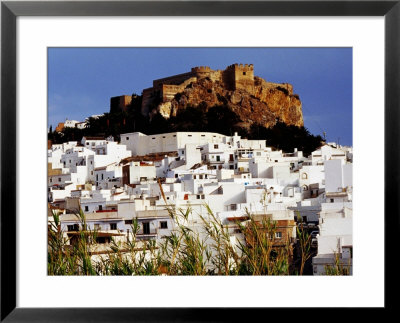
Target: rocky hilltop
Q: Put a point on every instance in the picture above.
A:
(251, 98)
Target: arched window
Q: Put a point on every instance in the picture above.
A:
(304, 176)
(305, 188)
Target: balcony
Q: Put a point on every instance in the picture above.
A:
(147, 235)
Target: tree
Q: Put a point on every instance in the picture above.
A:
(221, 119)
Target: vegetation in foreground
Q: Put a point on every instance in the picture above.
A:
(184, 252)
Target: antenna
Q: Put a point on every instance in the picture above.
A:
(324, 133)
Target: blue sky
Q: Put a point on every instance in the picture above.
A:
(82, 80)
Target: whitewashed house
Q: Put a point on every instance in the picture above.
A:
(327, 152)
(335, 239)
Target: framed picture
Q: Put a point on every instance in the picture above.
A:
(231, 24)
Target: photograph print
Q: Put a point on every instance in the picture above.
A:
(200, 161)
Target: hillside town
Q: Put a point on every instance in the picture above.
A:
(142, 177)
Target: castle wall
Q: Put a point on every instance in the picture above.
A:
(120, 102)
(228, 78)
(147, 98)
(172, 80)
(216, 76)
(168, 91)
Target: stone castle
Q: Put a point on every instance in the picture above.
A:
(237, 83)
(234, 77)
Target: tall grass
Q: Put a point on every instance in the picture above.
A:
(339, 268)
(211, 249)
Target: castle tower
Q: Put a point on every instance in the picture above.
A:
(240, 76)
(201, 71)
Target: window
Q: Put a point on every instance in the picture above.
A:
(218, 158)
(332, 200)
(73, 227)
(97, 226)
(51, 180)
(59, 179)
(183, 152)
(102, 176)
(215, 146)
(278, 235)
(244, 73)
(103, 240)
(91, 162)
(100, 207)
(127, 138)
(128, 221)
(304, 176)
(164, 225)
(113, 226)
(86, 208)
(146, 228)
(198, 197)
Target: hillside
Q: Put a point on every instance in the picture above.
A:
(251, 98)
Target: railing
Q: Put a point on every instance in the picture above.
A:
(149, 233)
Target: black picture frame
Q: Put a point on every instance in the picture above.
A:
(10, 10)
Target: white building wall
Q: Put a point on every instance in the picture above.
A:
(192, 155)
(137, 171)
(347, 175)
(333, 175)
